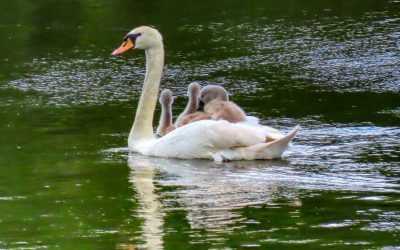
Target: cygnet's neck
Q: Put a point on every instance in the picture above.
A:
(192, 103)
(166, 115)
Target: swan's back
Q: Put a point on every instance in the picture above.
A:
(203, 138)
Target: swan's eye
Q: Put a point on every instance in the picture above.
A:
(136, 35)
(132, 37)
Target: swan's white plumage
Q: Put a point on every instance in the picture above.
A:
(207, 139)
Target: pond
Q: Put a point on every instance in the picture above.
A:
(67, 106)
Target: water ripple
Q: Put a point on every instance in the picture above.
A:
(326, 55)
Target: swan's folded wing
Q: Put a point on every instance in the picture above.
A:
(226, 135)
(201, 138)
(251, 120)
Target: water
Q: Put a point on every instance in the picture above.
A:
(66, 107)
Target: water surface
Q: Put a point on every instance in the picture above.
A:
(66, 107)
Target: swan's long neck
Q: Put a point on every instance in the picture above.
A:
(142, 128)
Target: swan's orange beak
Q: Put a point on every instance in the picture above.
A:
(126, 45)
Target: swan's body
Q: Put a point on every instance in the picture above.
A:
(209, 139)
(165, 125)
(218, 140)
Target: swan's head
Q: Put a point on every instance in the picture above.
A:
(166, 98)
(143, 37)
(213, 93)
(194, 90)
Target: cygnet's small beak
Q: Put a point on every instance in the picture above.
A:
(126, 45)
(200, 106)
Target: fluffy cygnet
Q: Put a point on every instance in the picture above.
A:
(217, 105)
(165, 125)
(190, 114)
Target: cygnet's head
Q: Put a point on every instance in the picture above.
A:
(213, 92)
(143, 37)
(194, 89)
(166, 98)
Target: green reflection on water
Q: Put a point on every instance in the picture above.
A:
(62, 186)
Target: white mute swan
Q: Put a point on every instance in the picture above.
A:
(190, 114)
(165, 125)
(207, 139)
(217, 105)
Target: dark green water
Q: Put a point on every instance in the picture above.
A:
(66, 107)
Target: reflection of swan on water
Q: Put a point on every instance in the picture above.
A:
(213, 196)
(142, 178)
(210, 194)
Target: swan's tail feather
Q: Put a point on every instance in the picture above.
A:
(269, 150)
(276, 148)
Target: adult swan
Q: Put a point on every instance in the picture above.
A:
(206, 139)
